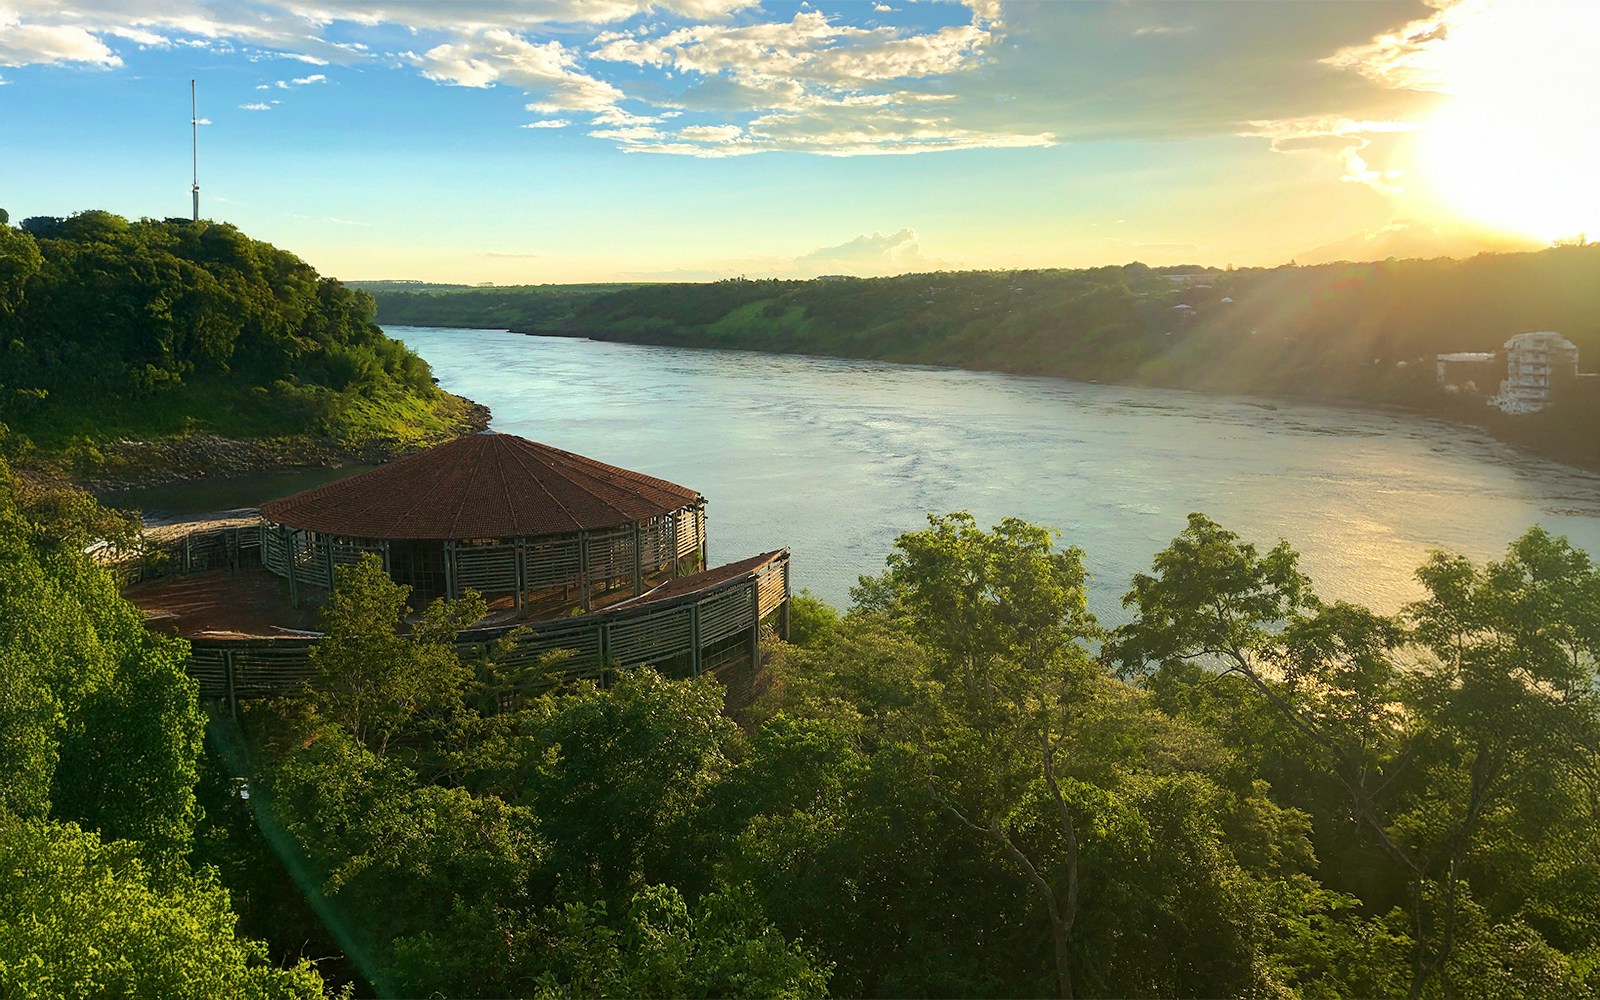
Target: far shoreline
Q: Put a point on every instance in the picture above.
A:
(1494, 426)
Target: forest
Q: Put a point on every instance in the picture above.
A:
(961, 785)
(112, 328)
(1352, 332)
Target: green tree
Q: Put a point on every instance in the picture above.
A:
(80, 917)
(373, 677)
(1004, 613)
(1425, 755)
(102, 725)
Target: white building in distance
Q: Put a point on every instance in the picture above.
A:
(1467, 371)
(1532, 359)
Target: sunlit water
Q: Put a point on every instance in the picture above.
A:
(835, 458)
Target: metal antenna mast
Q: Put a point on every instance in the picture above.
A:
(194, 129)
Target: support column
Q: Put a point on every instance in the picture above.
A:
(521, 573)
(227, 669)
(327, 551)
(700, 529)
(694, 639)
(638, 564)
(450, 570)
(755, 624)
(583, 567)
(291, 550)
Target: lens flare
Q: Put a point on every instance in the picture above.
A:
(1518, 145)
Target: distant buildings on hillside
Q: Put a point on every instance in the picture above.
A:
(1535, 365)
(1468, 371)
(1532, 360)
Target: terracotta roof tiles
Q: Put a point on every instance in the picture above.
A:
(481, 486)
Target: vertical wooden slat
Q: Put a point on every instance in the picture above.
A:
(583, 566)
(694, 639)
(638, 563)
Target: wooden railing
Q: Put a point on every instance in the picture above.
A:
(189, 552)
(680, 633)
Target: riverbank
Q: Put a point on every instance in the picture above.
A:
(835, 458)
(110, 466)
(1559, 434)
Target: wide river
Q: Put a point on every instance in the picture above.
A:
(835, 458)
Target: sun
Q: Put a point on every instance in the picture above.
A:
(1517, 146)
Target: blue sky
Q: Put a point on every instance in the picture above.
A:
(570, 140)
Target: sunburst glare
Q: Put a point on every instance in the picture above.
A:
(1518, 145)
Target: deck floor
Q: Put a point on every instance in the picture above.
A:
(220, 603)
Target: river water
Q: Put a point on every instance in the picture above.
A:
(834, 458)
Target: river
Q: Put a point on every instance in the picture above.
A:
(834, 458)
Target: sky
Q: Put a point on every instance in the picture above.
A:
(533, 141)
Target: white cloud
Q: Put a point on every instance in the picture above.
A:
(1345, 140)
(1162, 29)
(25, 44)
(812, 83)
(810, 47)
(299, 81)
(498, 56)
(1409, 57)
(617, 116)
(146, 39)
(878, 254)
(549, 123)
(633, 133)
(257, 106)
(710, 133)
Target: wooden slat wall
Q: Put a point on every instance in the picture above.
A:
(653, 637)
(688, 525)
(627, 637)
(611, 555)
(488, 569)
(728, 612)
(552, 564)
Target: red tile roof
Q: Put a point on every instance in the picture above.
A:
(481, 486)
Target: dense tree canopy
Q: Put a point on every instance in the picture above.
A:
(960, 786)
(100, 318)
(100, 747)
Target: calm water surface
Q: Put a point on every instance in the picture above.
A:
(835, 458)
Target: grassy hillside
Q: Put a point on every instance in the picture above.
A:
(1364, 333)
(507, 307)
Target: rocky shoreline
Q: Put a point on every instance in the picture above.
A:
(134, 464)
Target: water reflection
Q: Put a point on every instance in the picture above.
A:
(834, 458)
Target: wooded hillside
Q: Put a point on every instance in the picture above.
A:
(114, 328)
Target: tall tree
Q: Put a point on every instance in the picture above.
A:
(1005, 613)
(1425, 753)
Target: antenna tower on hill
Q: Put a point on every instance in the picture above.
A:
(194, 142)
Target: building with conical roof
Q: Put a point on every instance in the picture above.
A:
(502, 515)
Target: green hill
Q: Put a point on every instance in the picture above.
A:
(1364, 333)
(113, 330)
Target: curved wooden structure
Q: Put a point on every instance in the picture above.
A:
(507, 517)
(685, 626)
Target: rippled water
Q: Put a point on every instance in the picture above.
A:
(834, 458)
